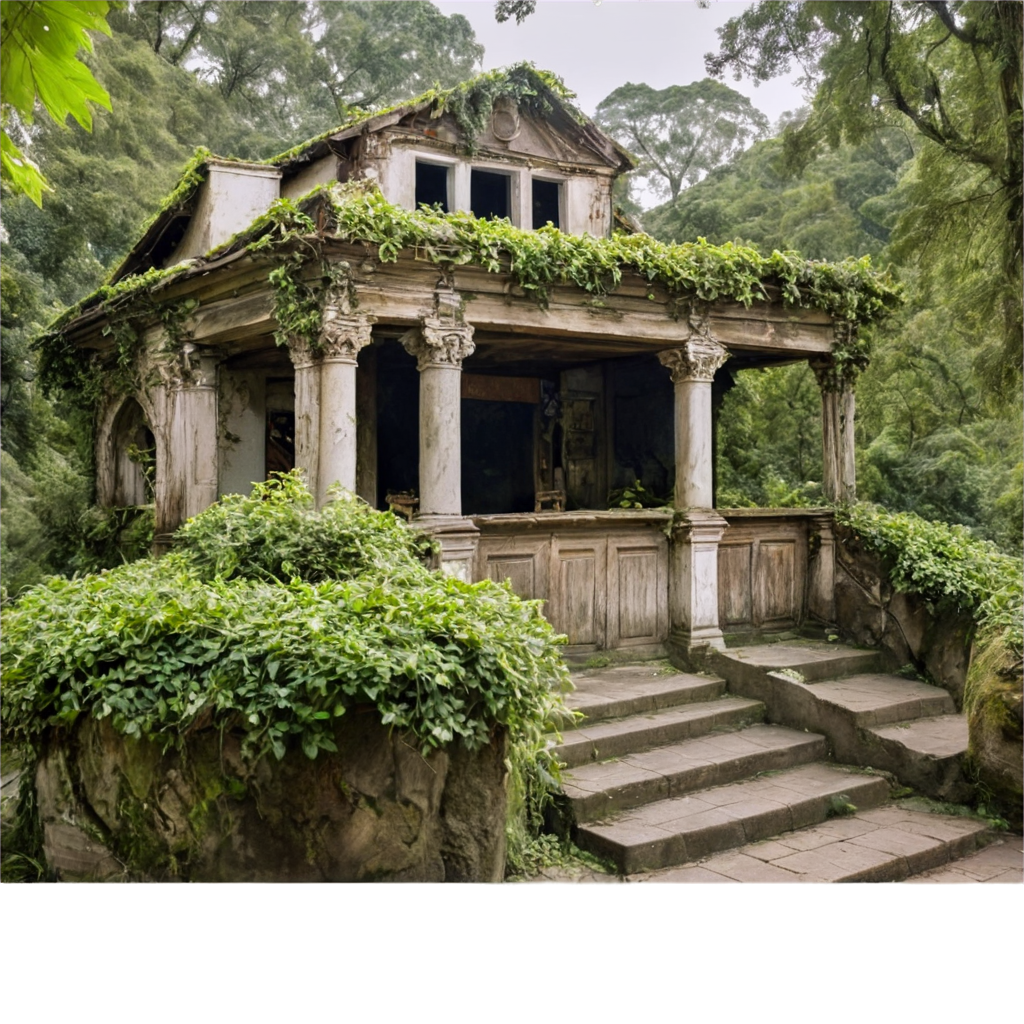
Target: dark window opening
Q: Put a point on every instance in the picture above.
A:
(431, 185)
(398, 423)
(497, 457)
(545, 202)
(490, 194)
(280, 448)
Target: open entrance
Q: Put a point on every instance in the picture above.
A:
(499, 431)
(398, 423)
(134, 448)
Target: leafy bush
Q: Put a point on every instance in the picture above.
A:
(947, 565)
(275, 619)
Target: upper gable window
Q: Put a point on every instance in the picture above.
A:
(433, 185)
(547, 203)
(490, 194)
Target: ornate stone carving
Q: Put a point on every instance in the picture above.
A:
(696, 359)
(439, 343)
(343, 336)
(300, 352)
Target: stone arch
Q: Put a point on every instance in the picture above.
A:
(131, 453)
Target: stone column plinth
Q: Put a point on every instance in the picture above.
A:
(838, 411)
(342, 338)
(440, 346)
(821, 571)
(693, 581)
(693, 569)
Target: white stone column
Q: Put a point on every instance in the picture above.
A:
(440, 346)
(693, 567)
(838, 413)
(693, 368)
(342, 337)
(307, 411)
(186, 429)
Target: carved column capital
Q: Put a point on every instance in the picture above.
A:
(696, 359)
(439, 343)
(838, 371)
(343, 335)
(300, 352)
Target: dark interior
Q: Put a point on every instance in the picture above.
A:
(490, 194)
(497, 457)
(398, 422)
(432, 185)
(545, 203)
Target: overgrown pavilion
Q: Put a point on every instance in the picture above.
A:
(493, 364)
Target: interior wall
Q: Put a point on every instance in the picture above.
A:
(241, 412)
(398, 421)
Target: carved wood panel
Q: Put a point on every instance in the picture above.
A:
(579, 607)
(735, 592)
(775, 592)
(637, 592)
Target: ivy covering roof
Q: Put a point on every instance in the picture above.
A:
(537, 92)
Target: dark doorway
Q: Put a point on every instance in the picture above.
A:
(280, 448)
(431, 185)
(545, 202)
(497, 457)
(398, 422)
(490, 194)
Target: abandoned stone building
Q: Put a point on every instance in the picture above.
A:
(439, 385)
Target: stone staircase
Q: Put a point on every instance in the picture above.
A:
(668, 768)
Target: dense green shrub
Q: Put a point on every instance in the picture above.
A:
(274, 619)
(946, 564)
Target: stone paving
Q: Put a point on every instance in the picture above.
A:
(887, 844)
(1002, 862)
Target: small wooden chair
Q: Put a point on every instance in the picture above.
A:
(403, 503)
(556, 499)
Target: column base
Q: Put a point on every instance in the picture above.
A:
(458, 538)
(693, 584)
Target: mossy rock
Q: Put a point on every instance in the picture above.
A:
(117, 808)
(994, 702)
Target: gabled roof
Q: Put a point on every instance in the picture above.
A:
(537, 92)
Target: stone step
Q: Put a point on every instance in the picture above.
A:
(688, 828)
(599, 789)
(927, 754)
(853, 710)
(638, 689)
(812, 659)
(617, 737)
(887, 844)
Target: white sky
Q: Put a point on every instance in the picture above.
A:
(596, 48)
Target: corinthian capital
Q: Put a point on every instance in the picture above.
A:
(300, 352)
(439, 343)
(696, 359)
(343, 335)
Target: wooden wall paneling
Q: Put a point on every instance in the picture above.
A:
(637, 591)
(735, 584)
(523, 561)
(580, 589)
(775, 594)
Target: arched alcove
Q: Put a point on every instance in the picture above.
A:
(134, 451)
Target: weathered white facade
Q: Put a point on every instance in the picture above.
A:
(455, 395)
